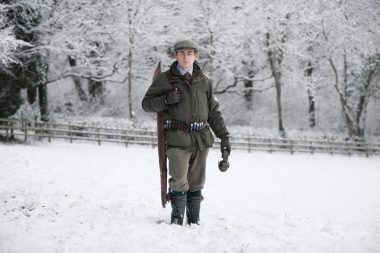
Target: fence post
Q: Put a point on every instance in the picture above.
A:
(348, 148)
(311, 147)
(35, 124)
(70, 134)
(6, 130)
(331, 147)
(49, 132)
(126, 138)
(270, 146)
(23, 126)
(291, 146)
(97, 130)
(367, 150)
(12, 136)
(152, 139)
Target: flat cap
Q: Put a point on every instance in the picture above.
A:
(185, 44)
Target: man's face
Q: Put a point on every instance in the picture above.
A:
(186, 57)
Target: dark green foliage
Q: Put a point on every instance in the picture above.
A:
(10, 99)
(25, 19)
(31, 69)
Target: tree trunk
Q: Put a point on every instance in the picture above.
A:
(43, 102)
(308, 73)
(362, 104)
(95, 90)
(96, 86)
(41, 70)
(350, 123)
(274, 62)
(212, 52)
(279, 103)
(248, 84)
(312, 121)
(130, 65)
(130, 103)
(248, 93)
(31, 92)
(77, 82)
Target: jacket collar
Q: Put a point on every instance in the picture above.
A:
(196, 70)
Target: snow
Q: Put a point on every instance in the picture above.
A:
(80, 197)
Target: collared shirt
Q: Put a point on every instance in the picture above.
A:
(182, 71)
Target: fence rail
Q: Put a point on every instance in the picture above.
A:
(25, 130)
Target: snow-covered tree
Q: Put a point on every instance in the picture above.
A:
(103, 42)
(30, 68)
(351, 43)
(277, 61)
(8, 41)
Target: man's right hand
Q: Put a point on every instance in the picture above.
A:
(173, 97)
(225, 144)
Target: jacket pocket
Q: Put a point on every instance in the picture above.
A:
(178, 139)
(207, 137)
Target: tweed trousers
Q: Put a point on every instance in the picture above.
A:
(187, 169)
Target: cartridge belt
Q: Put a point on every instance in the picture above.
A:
(174, 125)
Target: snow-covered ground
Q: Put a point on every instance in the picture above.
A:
(63, 197)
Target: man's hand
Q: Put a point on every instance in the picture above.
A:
(173, 97)
(225, 144)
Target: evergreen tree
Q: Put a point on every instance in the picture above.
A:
(31, 67)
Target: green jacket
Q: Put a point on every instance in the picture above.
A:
(197, 104)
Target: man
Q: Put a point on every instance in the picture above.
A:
(185, 97)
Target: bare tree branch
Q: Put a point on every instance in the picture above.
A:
(228, 87)
(90, 77)
(237, 79)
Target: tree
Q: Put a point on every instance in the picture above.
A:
(78, 48)
(367, 87)
(352, 57)
(278, 58)
(275, 37)
(307, 51)
(10, 98)
(77, 81)
(103, 48)
(214, 26)
(29, 71)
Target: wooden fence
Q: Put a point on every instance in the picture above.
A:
(26, 130)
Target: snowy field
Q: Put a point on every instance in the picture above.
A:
(63, 197)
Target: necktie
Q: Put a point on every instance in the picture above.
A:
(187, 76)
